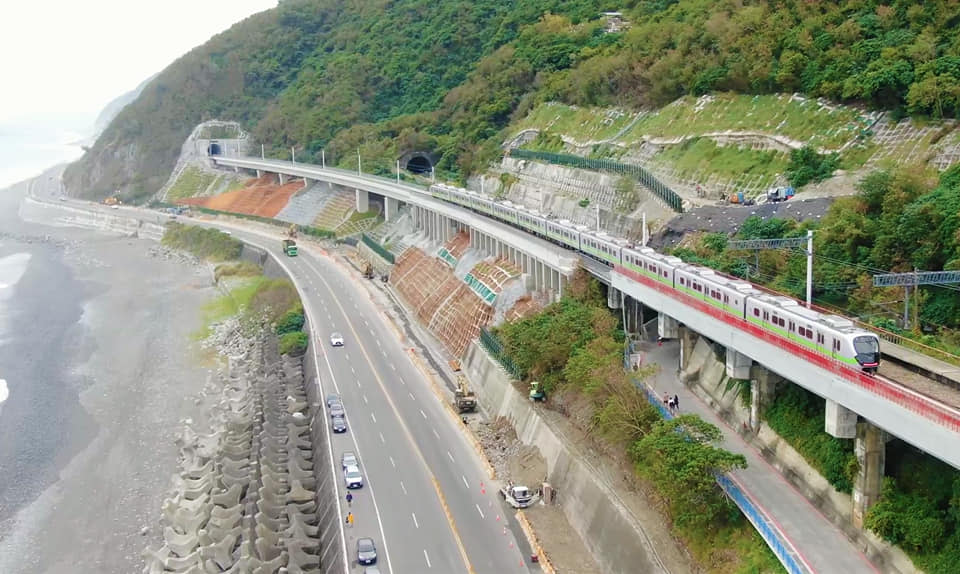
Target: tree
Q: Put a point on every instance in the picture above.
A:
(679, 456)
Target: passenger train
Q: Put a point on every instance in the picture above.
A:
(831, 335)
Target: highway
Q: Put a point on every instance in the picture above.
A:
(422, 501)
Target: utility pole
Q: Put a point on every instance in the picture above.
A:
(398, 172)
(644, 237)
(262, 156)
(481, 184)
(433, 174)
(598, 218)
(359, 171)
(809, 269)
(323, 158)
(293, 155)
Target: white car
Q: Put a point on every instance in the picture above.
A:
(336, 340)
(352, 478)
(114, 206)
(348, 458)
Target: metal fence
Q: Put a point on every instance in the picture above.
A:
(377, 248)
(761, 522)
(645, 178)
(493, 346)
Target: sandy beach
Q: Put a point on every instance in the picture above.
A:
(105, 374)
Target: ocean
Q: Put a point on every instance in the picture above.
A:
(25, 151)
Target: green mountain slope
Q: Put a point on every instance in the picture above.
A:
(450, 75)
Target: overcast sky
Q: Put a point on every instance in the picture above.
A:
(65, 60)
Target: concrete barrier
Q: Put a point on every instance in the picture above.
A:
(69, 215)
(615, 539)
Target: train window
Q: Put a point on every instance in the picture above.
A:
(756, 312)
(664, 272)
(682, 282)
(726, 299)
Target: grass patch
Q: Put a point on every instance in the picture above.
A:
(362, 215)
(734, 548)
(802, 120)
(192, 181)
(293, 344)
(703, 156)
(206, 243)
(582, 124)
(237, 269)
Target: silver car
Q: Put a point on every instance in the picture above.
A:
(371, 570)
(352, 478)
(336, 409)
(348, 458)
(366, 551)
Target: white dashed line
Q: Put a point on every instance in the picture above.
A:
(465, 483)
(427, 557)
(411, 396)
(365, 399)
(435, 433)
(415, 523)
(423, 414)
(352, 370)
(451, 456)
(373, 417)
(402, 487)
(402, 382)
(383, 440)
(480, 511)
(393, 464)
(378, 342)
(392, 366)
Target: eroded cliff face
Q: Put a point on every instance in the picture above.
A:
(104, 170)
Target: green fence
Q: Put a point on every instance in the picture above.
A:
(493, 346)
(378, 249)
(643, 176)
(480, 288)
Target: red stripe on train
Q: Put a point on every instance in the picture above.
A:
(927, 408)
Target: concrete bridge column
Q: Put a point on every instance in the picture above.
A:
(763, 386)
(307, 182)
(363, 201)
(259, 173)
(839, 421)
(282, 178)
(688, 339)
(390, 208)
(871, 450)
(667, 327)
(562, 284)
(738, 365)
(613, 298)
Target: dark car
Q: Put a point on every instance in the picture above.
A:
(366, 551)
(338, 424)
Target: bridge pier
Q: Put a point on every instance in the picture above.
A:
(307, 182)
(363, 201)
(390, 208)
(763, 386)
(871, 450)
(613, 298)
(738, 365)
(283, 178)
(259, 173)
(667, 327)
(839, 421)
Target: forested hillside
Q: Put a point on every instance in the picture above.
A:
(387, 76)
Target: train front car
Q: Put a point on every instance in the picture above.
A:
(866, 351)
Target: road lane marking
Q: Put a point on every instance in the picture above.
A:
(365, 401)
(480, 511)
(427, 557)
(411, 396)
(402, 487)
(373, 417)
(378, 342)
(435, 433)
(415, 523)
(352, 370)
(393, 464)
(392, 366)
(451, 457)
(383, 440)
(402, 382)
(423, 414)
(465, 483)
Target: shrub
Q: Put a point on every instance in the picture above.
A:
(291, 322)
(293, 344)
(806, 166)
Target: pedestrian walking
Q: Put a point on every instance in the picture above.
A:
(676, 403)
(350, 519)
(349, 499)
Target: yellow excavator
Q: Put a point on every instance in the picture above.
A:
(292, 231)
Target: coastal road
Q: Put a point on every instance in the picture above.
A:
(427, 500)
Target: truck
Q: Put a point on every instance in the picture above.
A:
(518, 496)
(536, 392)
(290, 247)
(463, 397)
(778, 194)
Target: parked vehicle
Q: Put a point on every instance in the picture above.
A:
(463, 397)
(290, 247)
(352, 478)
(337, 410)
(338, 424)
(518, 496)
(332, 398)
(366, 551)
(348, 458)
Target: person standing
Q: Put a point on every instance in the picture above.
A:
(350, 519)
(349, 499)
(676, 403)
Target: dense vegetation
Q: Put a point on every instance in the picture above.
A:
(575, 348)
(386, 77)
(205, 243)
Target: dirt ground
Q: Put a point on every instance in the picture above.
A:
(523, 465)
(264, 197)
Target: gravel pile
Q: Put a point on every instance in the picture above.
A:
(511, 459)
(167, 254)
(244, 500)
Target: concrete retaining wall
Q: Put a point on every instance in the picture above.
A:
(93, 219)
(616, 541)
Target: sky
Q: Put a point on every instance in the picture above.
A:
(64, 60)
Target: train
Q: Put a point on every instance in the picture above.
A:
(782, 317)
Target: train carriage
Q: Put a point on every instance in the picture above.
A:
(531, 220)
(563, 232)
(505, 211)
(601, 246)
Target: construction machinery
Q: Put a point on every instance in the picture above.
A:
(292, 231)
(536, 392)
(113, 200)
(290, 247)
(778, 194)
(518, 496)
(368, 271)
(463, 397)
